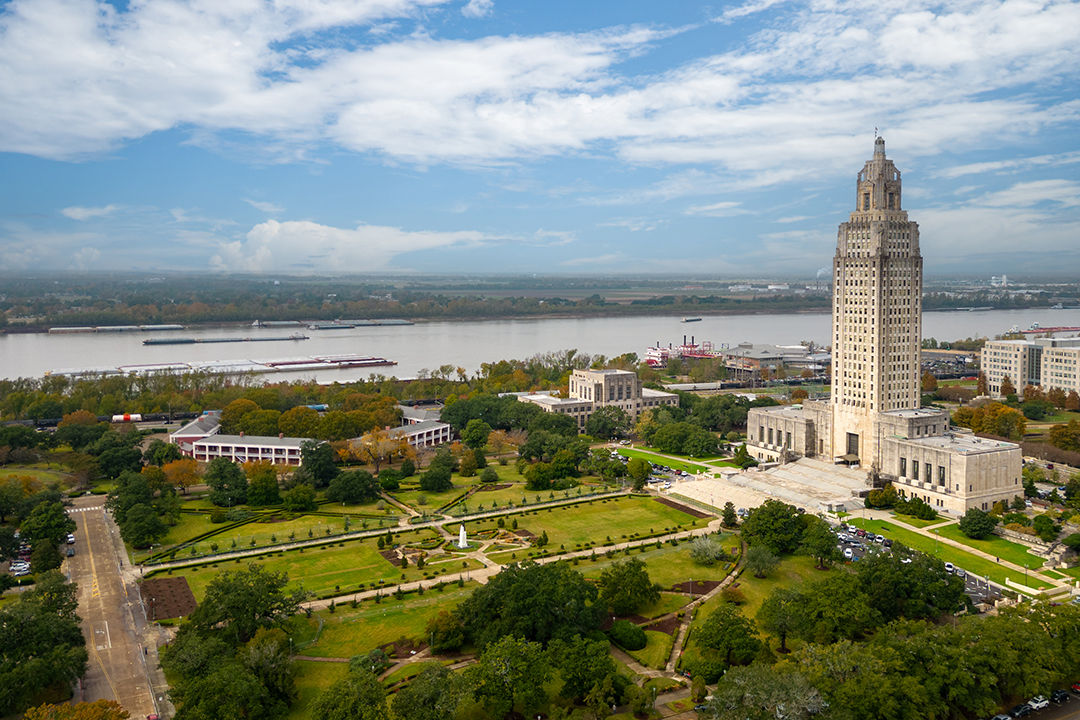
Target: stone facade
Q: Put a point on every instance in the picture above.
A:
(874, 418)
(592, 389)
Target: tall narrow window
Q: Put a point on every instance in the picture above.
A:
(866, 201)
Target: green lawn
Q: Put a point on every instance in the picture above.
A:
(658, 451)
(272, 528)
(669, 602)
(994, 545)
(38, 471)
(916, 522)
(348, 565)
(350, 631)
(189, 525)
(656, 653)
(594, 521)
(791, 572)
(312, 678)
(667, 565)
(947, 553)
(1073, 572)
(691, 468)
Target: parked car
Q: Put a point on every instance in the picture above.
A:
(879, 538)
(1020, 711)
(999, 716)
(848, 554)
(70, 539)
(861, 533)
(1076, 687)
(1060, 696)
(71, 552)
(950, 568)
(960, 572)
(1038, 702)
(887, 543)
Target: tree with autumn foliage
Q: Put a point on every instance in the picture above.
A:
(994, 419)
(380, 446)
(181, 473)
(97, 710)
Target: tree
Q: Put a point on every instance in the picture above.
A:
(819, 542)
(300, 498)
(730, 635)
(353, 487)
(46, 556)
(159, 452)
(242, 601)
(117, 460)
(707, 551)
(41, 645)
(380, 445)
(434, 694)
(977, 524)
(1045, 528)
(228, 690)
(142, 526)
(761, 561)
(437, 478)
(446, 632)
(929, 382)
(730, 518)
(638, 469)
(299, 422)
(97, 710)
(475, 434)
(1072, 401)
(267, 656)
(47, 523)
(317, 460)
(534, 602)
(774, 524)
(182, 473)
(764, 692)
(488, 475)
(981, 388)
(510, 674)
(582, 664)
(262, 484)
(1007, 387)
(780, 614)
(625, 586)
(915, 590)
(608, 422)
(742, 457)
(228, 486)
(467, 466)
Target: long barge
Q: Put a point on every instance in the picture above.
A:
(299, 364)
(196, 341)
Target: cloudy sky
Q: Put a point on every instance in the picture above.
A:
(298, 136)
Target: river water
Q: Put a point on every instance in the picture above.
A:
(428, 345)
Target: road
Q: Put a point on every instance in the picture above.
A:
(112, 619)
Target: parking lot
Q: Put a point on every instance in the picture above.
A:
(856, 544)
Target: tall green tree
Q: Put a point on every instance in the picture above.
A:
(625, 586)
(732, 637)
(582, 664)
(761, 561)
(47, 523)
(317, 461)
(510, 675)
(475, 435)
(774, 524)
(763, 692)
(228, 485)
(434, 694)
(781, 615)
(242, 601)
(819, 542)
(977, 524)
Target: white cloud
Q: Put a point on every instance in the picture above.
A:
(478, 8)
(792, 219)
(76, 212)
(634, 224)
(554, 237)
(600, 260)
(304, 246)
(1026, 194)
(267, 207)
(1016, 164)
(85, 258)
(718, 209)
(804, 92)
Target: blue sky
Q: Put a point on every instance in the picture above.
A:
(315, 136)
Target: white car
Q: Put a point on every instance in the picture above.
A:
(70, 539)
(960, 572)
(950, 568)
(1038, 702)
(848, 554)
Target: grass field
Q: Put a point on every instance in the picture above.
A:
(37, 471)
(312, 678)
(791, 572)
(689, 467)
(667, 565)
(594, 521)
(656, 652)
(270, 528)
(189, 525)
(347, 565)
(350, 631)
(971, 563)
(658, 451)
(916, 522)
(994, 545)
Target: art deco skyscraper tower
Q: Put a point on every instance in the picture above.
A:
(877, 310)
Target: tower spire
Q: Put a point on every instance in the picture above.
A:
(879, 145)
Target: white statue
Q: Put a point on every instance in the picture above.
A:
(462, 542)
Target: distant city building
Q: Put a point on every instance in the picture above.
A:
(593, 389)
(874, 418)
(1044, 362)
(999, 281)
